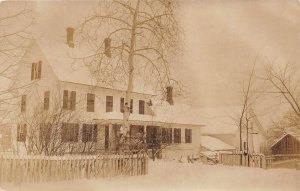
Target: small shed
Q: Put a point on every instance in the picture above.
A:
(287, 144)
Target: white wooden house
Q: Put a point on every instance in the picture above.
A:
(87, 117)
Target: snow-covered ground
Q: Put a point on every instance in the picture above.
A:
(173, 176)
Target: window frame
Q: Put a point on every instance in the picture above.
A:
(109, 103)
(70, 132)
(69, 100)
(188, 135)
(89, 133)
(122, 105)
(36, 70)
(90, 102)
(177, 135)
(142, 107)
(21, 132)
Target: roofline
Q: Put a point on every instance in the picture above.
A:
(282, 137)
(100, 87)
(146, 121)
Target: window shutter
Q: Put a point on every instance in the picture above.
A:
(39, 73)
(32, 71)
(90, 102)
(95, 133)
(65, 99)
(84, 133)
(23, 103)
(18, 132)
(122, 105)
(141, 107)
(109, 103)
(76, 131)
(131, 105)
(73, 100)
(46, 100)
(63, 132)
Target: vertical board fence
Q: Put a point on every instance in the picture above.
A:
(18, 169)
(240, 159)
(283, 161)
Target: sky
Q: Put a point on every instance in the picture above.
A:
(221, 41)
(224, 37)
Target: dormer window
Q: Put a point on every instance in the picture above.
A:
(36, 70)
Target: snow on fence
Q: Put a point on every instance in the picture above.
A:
(241, 159)
(19, 169)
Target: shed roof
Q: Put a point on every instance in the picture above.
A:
(214, 144)
(294, 135)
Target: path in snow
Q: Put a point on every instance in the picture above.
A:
(175, 176)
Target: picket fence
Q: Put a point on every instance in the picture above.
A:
(240, 159)
(18, 169)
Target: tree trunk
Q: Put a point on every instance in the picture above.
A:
(126, 113)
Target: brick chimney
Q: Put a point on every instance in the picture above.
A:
(170, 95)
(107, 46)
(70, 34)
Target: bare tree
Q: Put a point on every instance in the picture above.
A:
(284, 82)
(249, 97)
(131, 41)
(54, 129)
(15, 31)
(154, 141)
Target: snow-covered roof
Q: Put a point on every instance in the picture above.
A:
(51, 37)
(61, 58)
(177, 113)
(214, 144)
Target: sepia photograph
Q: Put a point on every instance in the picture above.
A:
(149, 95)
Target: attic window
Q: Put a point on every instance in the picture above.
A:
(70, 34)
(36, 70)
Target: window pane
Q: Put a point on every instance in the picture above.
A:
(188, 135)
(90, 102)
(109, 103)
(65, 99)
(141, 107)
(177, 135)
(21, 132)
(122, 105)
(73, 100)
